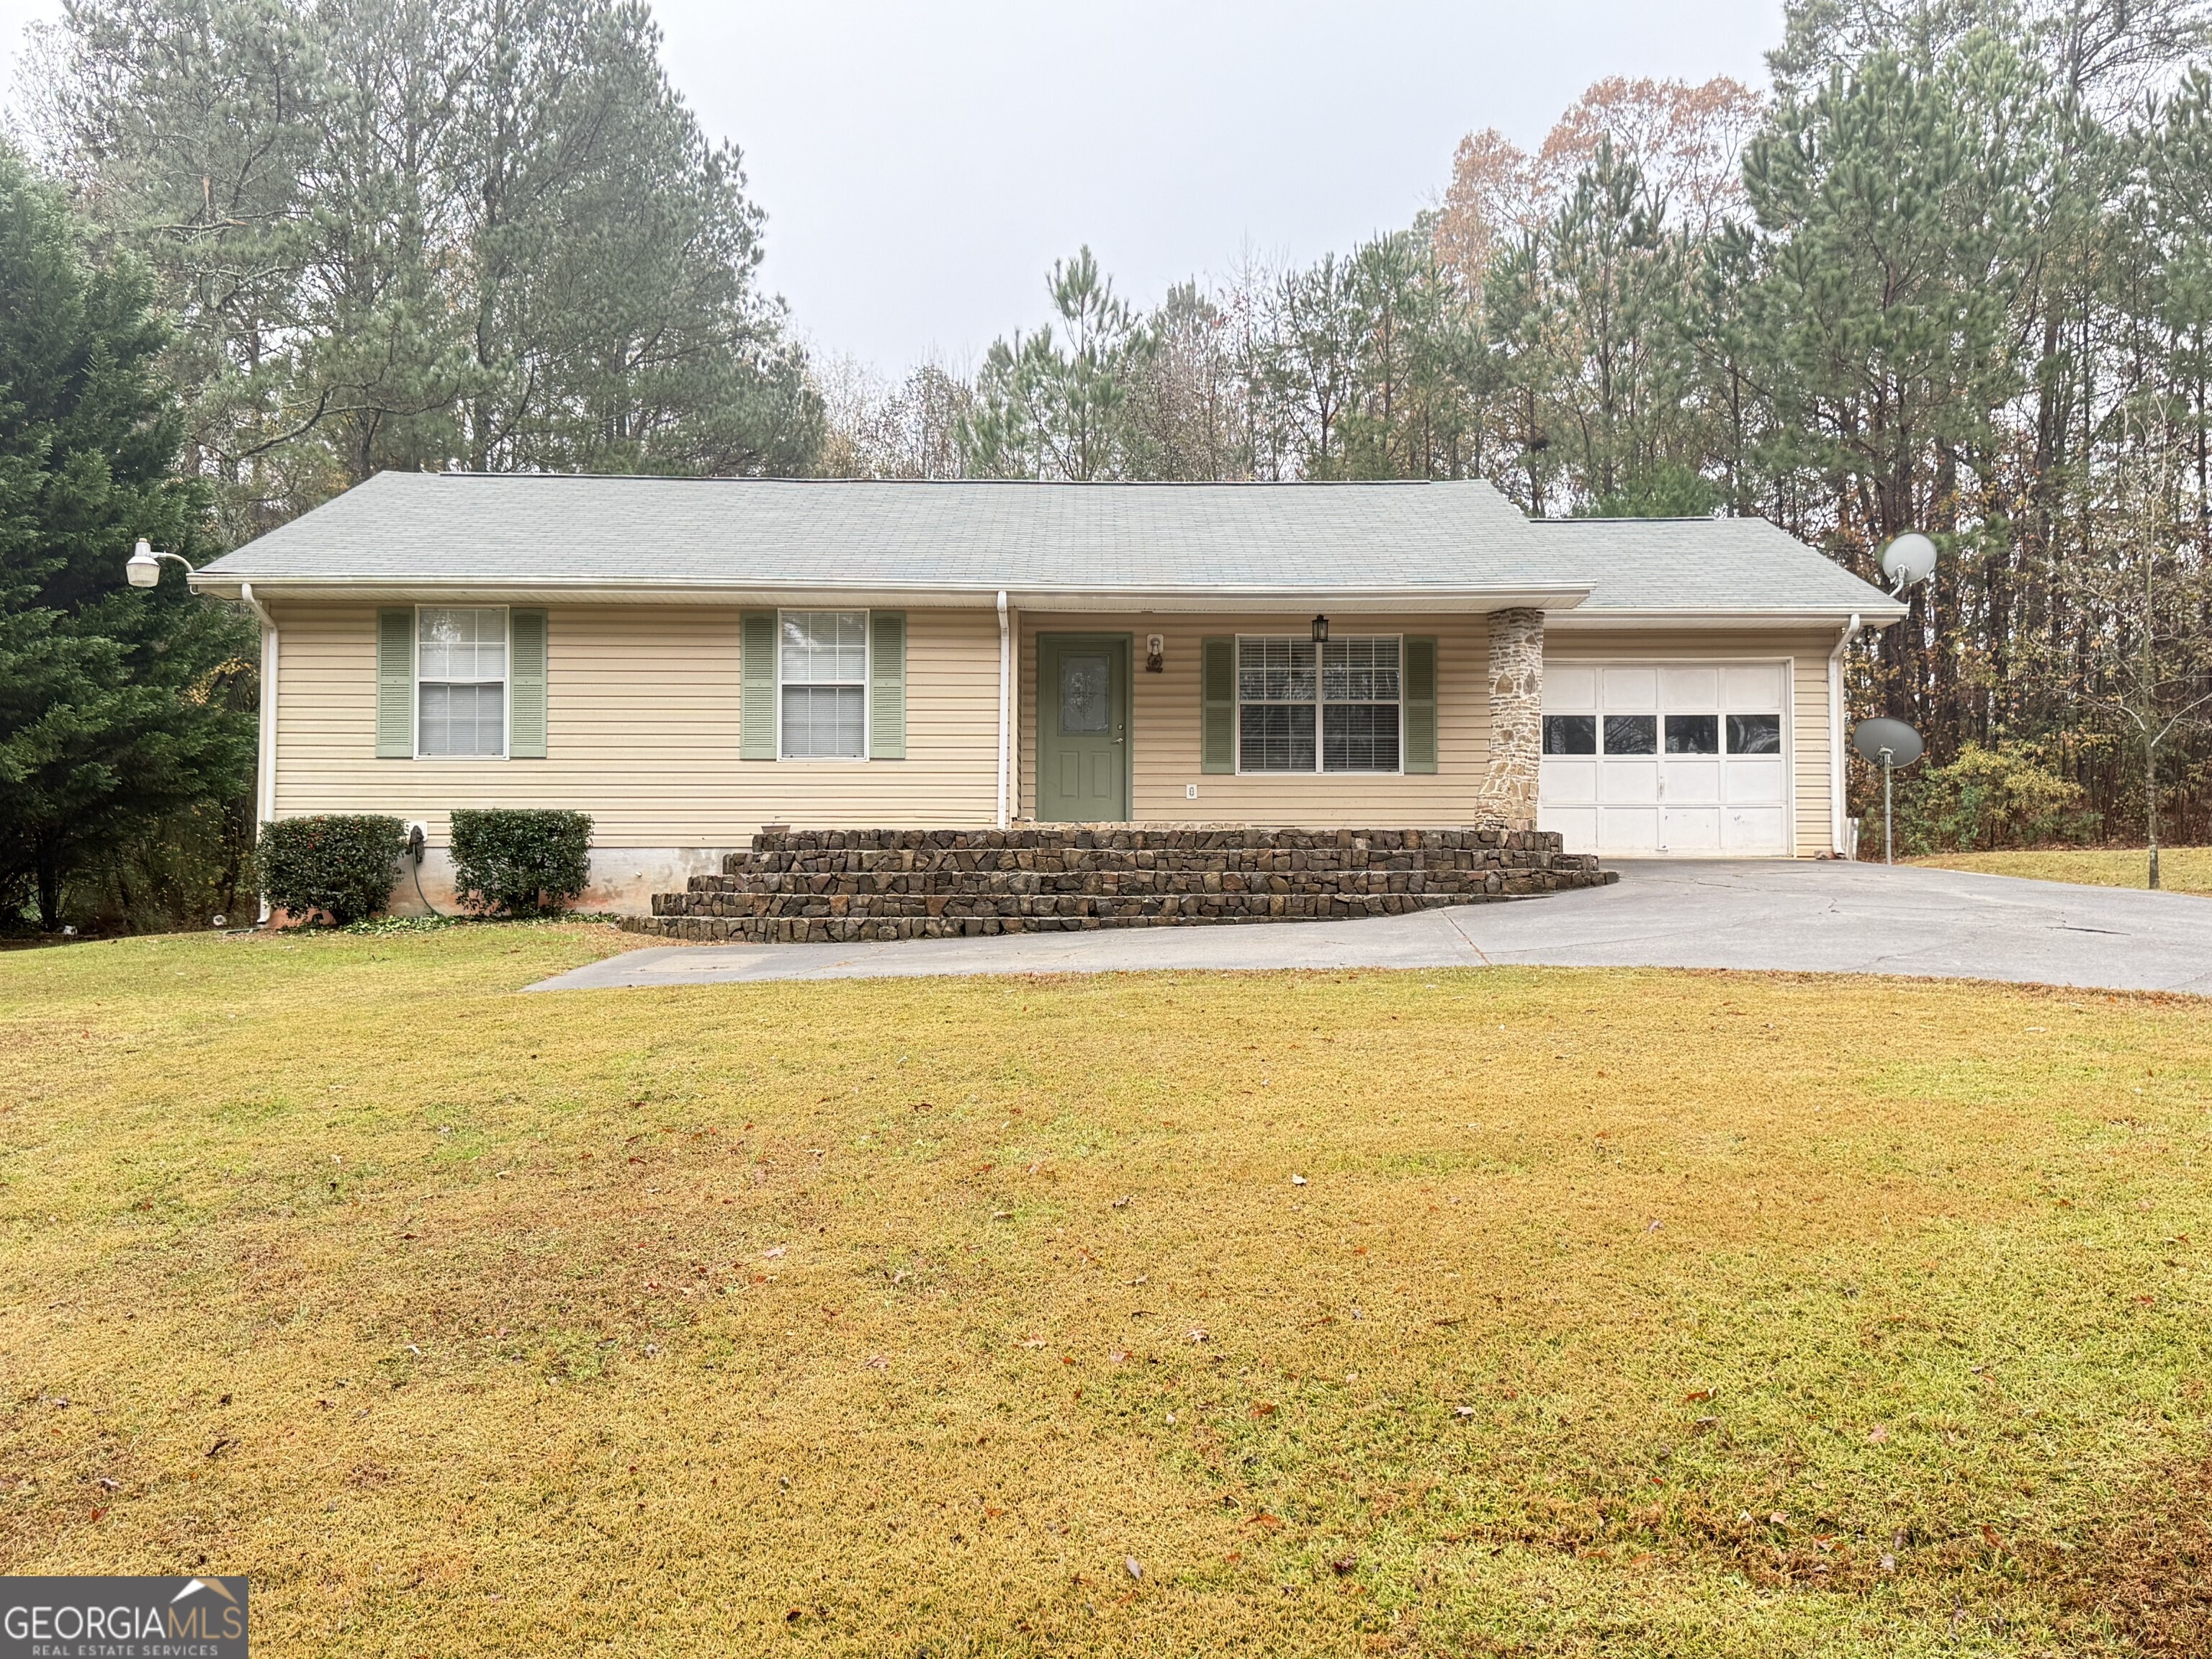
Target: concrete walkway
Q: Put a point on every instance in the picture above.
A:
(1798, 917)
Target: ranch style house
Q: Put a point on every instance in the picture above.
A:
(692, 661)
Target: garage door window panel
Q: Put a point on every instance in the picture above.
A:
(1570, 734)
(1693, 734)
(1632, 734)
(1754, 734)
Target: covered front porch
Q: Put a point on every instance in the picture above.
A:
(1342, 719)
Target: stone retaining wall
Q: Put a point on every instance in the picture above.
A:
(849, 885)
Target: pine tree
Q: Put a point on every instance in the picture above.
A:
(104, 722)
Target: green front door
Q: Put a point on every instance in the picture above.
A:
(1083, 728)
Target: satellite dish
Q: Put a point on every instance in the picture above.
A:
(1872, 737)
(1910, 558)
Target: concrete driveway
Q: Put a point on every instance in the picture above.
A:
(1794, 917)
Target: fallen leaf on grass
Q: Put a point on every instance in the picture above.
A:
(1129, 1563)
(1267, 1522)
(1343, 1564)
(1265, 1408)
(1198, 1336)
(774, 1251)
(1878, 1435)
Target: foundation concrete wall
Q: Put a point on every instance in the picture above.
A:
(623, 880)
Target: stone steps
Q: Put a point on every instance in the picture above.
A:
(846, 886)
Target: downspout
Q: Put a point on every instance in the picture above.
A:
(265, 769)
(1005, 703)
(1836, 778)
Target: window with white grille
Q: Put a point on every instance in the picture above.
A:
(1333, 707)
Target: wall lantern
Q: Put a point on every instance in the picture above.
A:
(1321, 630)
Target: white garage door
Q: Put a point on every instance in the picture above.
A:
(1652, 759)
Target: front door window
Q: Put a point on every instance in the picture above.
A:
(1087, 693)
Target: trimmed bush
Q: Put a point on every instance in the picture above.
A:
(521, 862)
(341, 866)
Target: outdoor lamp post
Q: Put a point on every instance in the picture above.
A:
(145, 565)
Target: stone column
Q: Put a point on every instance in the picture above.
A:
(1517, 724)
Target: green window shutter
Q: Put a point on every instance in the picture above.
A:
(1216, 674)
(887, 685)
(395, 685)
(525, 685)
(1420, 705)
(756, 733)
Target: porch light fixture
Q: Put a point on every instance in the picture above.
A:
(143, 567)
(1321, 630)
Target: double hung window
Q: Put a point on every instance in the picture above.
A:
(1333, 707)
(460, 681)
(822, 671)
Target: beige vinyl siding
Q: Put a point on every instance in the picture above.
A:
(1164, 713)
(1807, 655)
(641, 712)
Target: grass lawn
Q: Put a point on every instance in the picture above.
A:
(1618, 1312)
(2180, 869)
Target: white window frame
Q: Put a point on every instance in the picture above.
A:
(1320, 703)
(506, 685)
(867, 685)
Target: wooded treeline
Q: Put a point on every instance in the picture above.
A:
(272, 247)
(1953, 274)
(411, 234)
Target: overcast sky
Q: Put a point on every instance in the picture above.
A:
(923, 164)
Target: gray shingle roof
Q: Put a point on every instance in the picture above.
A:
(1706, 565)
(441, 531)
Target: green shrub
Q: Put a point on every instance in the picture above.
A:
(2007, 796)
(341, 866)
(519, 862)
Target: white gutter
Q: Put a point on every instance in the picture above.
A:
(1005, 703)
(1197, 596)
(264, 765)
(1836, 778)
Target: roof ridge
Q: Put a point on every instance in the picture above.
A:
(1055, 484)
